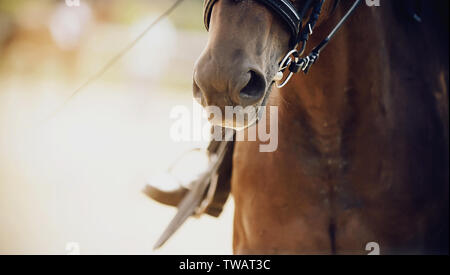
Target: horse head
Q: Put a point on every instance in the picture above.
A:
(246, 43)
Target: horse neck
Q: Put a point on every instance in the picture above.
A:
(322, 98)
(357, 66)
(366, 88)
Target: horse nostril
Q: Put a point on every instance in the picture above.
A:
(255, 87)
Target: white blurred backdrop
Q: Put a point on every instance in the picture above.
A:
(76, 175)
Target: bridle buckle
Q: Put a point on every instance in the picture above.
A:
(304, 64)
(290, 61)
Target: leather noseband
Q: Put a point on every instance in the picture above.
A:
(283, 8)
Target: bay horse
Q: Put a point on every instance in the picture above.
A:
(363, 138)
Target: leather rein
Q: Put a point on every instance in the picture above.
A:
(295, 61)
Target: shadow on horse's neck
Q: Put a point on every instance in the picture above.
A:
(369, 73)
(363, 54)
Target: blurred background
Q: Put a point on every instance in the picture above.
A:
(71, 173)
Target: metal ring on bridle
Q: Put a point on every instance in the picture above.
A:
(287, 61)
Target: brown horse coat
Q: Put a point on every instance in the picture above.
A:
(363, 140)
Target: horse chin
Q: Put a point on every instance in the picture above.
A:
(239, 124)
(248, 119)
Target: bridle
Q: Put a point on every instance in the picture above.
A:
(293, 61)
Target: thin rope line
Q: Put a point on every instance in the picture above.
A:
(118, 56)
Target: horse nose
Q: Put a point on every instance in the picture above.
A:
(217, 85)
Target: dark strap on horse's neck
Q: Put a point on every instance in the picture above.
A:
(305, 63)
(308, 28)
